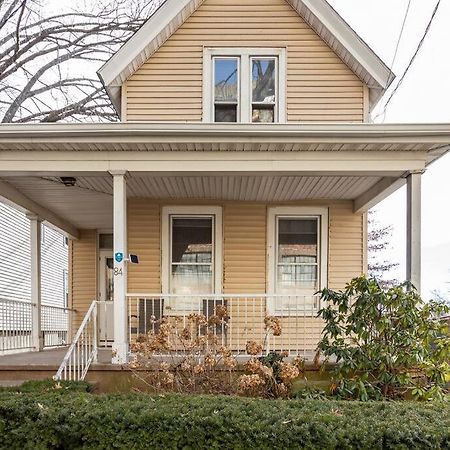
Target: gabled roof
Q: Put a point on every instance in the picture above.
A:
(319, 14)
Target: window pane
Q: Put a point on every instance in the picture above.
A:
(297, 241)
(263, 114)
(226, 80)
(192, 240)
(263, 80)
(293, 277)
(225, 113)
(191, 279)
(106, 241)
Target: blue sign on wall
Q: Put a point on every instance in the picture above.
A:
(118, 257)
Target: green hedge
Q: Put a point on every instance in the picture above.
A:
(69, 419)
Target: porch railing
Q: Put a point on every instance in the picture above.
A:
(16, 325)
(244, 322)
(83, 350)
(55, 325)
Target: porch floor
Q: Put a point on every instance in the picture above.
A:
(47, 359)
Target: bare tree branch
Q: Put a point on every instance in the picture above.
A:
(48, 61)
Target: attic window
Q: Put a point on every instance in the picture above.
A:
(244, 85)
(226, 89)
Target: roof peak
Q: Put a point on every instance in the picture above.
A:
(319, 15)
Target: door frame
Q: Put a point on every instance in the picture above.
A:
(102, 255)
(102, 320)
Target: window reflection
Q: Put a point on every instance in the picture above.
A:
(297, 255)
(192, 255)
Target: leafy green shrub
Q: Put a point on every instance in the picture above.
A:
(81, 420)
(387, 343)
(45, 386)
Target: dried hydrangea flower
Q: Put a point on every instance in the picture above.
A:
(199, 369)
(198, 319)
(186, 366)
(273, 324)
(254, 348)
(186, 334)
(249, 382)
(209, 360)
(253, 365)
(230, 363)
(168, 378)
(221, 311)
(288, 372)
(224, 351)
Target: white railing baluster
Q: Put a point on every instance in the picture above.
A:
(83, 350)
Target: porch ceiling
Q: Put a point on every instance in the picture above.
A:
(237, 188)
(88, 205)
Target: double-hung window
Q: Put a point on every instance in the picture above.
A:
(297, 258)
(191, 256)
(244, 85)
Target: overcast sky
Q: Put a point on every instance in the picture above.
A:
(423, 97)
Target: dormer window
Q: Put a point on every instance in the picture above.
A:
(244, 85)
(226, 89)
(264, 89)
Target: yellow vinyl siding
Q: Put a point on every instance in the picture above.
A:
(244, 245)
(320, 87)
(244, 248)
(346, 246)
(144, 241)
(83, 275)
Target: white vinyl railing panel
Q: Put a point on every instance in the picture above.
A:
(16, 325)
(246, 314)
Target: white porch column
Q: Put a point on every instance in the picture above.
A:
(120, 346)
(35, 234)
(414, 225)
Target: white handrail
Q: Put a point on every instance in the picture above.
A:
(83, 350)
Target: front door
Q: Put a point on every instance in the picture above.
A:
(106, 297)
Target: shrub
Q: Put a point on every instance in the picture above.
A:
(46, 386)
(80, 420)
(189, 356)
(387, 343)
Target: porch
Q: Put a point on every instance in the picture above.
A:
(111, 189)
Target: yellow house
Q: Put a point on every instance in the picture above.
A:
(240, 174)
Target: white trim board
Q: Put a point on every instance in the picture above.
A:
(325, 21)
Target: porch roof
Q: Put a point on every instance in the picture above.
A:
(363, 163)
(432, 139)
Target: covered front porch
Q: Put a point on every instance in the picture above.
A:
(273, 214)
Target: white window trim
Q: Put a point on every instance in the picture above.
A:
(299, 212)
(245, 99)
(168, 211)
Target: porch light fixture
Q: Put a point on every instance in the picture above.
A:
(68, 181)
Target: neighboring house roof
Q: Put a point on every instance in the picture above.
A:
(319, 14)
